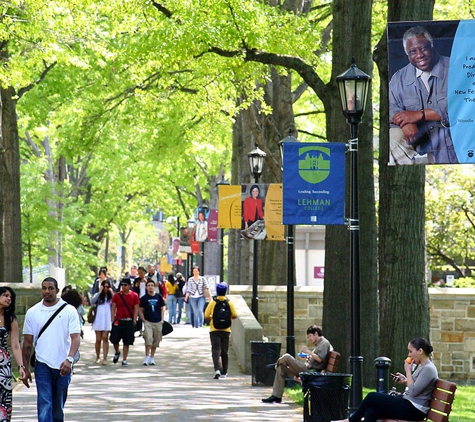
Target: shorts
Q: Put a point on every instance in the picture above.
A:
(152, 333)
(124, 331)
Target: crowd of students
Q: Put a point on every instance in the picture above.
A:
(138, 304)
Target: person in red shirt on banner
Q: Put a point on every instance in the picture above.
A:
(252, 207)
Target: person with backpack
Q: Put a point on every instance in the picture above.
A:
(220, 312)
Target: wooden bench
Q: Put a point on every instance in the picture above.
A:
(441, 403)
(333, 360)
(332, 364)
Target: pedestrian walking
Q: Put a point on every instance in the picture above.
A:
(8, 328)
(125, 310)
(196, 290)
(172, 287)
(220, 312)
(56, 345)
(180, 296)
(102, 323)
(152, 311)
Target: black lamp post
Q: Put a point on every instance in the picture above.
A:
(221, 240)
(290, 265)
(189, 256)
(353, 86)
(205, 210)
(256, 164)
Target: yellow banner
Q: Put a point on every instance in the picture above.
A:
(273, 215)
(229, 207)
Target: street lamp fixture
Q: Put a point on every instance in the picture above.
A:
(354, 86)
(290, 264)
(256, 164)
(222, 182)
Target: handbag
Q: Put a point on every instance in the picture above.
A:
(206, 291)
(33, 356)
(167, 328)
(91, 314)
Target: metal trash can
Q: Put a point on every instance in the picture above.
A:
(263, 354)
(326, 396)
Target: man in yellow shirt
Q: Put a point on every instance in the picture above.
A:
(220, 312)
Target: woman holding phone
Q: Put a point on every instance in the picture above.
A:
(414, 404)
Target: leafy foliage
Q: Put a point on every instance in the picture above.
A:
(450, 219)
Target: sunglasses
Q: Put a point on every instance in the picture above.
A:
(125, 284)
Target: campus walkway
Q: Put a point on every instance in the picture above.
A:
(179, 388)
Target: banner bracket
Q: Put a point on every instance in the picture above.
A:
(352, 145)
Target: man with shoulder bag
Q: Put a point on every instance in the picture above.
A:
(53, 327)
(125, 311)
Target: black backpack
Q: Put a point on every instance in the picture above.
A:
(221, 314)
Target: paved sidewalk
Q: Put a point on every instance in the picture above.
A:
(180, 388)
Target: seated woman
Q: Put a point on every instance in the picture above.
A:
(414, 404)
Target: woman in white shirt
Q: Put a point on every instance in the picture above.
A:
(196, 288)
(102, 323)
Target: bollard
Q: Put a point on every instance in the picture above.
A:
(382, 365)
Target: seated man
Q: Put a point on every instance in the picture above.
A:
(288, 366)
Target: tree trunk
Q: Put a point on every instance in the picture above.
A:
(11, 264)
(404, 303)
(253, 127)
(352, 39)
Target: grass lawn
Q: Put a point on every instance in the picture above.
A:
(463, 409)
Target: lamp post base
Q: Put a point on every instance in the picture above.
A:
(356, 397)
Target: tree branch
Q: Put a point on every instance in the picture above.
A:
(306, 71)
(33, 146)
(161, 8)
(27, 88)
(313, 134)
(440, 254)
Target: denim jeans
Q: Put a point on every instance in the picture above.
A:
(189, 312)
(171, 305)
(197, 304)
(180, 302)
(52, 391)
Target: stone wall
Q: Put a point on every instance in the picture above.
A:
(27, 295)
(453, 332)
(452, 322)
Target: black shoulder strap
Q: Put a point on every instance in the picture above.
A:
(51, 320)
(127, 306)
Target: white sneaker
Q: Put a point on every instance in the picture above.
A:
(146, 361)
(224, 375)
(151, 362)
(217, 374)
